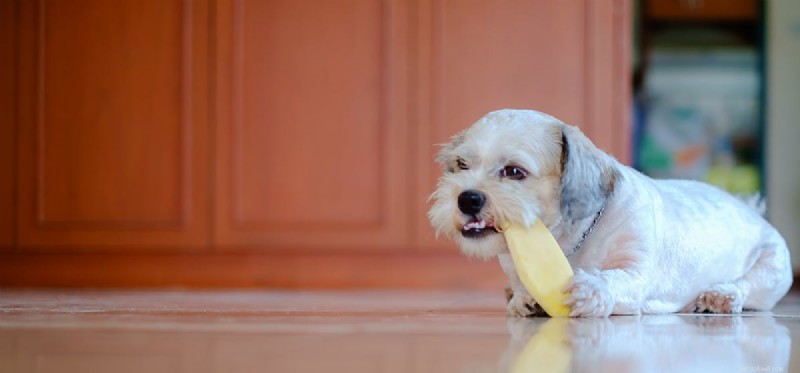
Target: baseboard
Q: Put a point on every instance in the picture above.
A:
(248, 270)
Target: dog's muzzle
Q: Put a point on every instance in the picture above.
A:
(471, 202)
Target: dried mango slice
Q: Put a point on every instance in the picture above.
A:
(541, 265)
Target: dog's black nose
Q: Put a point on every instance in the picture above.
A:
(471, 202)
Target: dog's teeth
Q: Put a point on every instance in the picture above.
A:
(475, 225)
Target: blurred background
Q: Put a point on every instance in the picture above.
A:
(289, 144)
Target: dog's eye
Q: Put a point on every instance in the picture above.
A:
(461, 164)
(513, 173)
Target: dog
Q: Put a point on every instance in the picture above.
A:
(637, 245)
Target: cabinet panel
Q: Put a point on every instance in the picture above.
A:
(7, 27)
(112, 123)
(565, 58)
(310, 132)
(324, 118)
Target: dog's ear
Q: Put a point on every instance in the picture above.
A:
(587, 175)
(445, 154)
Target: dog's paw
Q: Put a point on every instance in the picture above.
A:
(722, 298)
(522, 305)
(589, 296)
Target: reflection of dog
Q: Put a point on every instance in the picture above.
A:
(653, 343)
(637, 245)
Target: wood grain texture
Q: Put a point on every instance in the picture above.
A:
(566, 58)
(113, 123)
(286, 269)
(311, 143)
(377, 331)
(98, 351)
(607, 86)
(8, 27)
(283, 143)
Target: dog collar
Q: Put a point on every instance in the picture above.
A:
(587, 232)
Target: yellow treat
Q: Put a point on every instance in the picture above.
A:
(541, 265)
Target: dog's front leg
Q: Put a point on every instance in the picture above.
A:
(601, 293)
(521, 303)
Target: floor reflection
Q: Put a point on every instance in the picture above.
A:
(663, 343)
(268, 332)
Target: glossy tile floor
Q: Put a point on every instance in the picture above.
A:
(379, 331)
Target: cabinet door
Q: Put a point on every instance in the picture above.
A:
(112, 123)
(565, 58)
(310, 132)
(7, 27)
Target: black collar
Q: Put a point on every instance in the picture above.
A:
(587, 232)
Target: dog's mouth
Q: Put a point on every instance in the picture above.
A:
(478, 228)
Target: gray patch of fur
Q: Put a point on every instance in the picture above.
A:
(585, 182)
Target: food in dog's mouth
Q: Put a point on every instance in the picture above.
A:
(478, 229)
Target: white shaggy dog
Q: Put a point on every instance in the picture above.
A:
(637, 245)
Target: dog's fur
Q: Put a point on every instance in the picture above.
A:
(640, 245)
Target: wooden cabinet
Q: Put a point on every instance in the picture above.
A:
(280, 142)
(312, 131)
(112, 123)
(7, 147)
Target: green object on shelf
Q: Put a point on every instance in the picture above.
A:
(735, 179)
(654, 157)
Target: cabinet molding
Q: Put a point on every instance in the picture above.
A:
(8, 27)
(112, 123)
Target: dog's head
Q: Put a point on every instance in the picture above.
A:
(516, 166)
